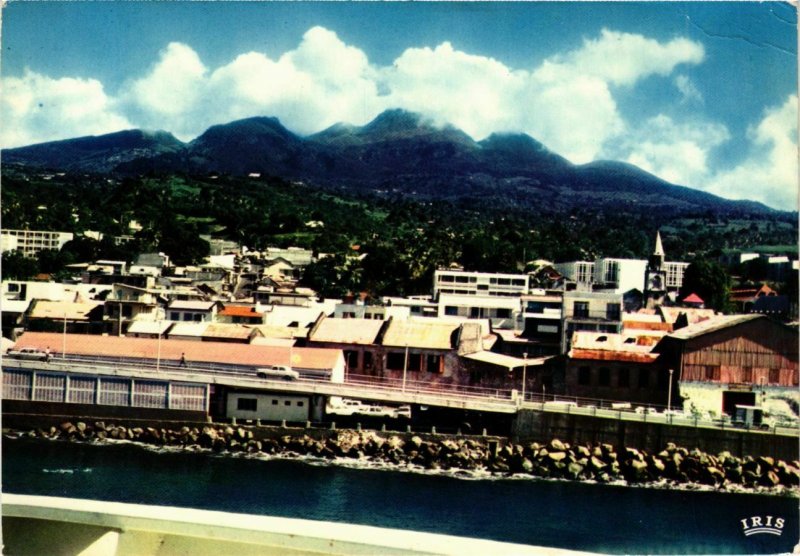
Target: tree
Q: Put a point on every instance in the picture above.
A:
(17, 266)
(709, 280)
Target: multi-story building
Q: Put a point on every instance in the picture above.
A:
(31, 242)
(461, 282)
(590, 311)
(502, 311)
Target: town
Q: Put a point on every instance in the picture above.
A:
(237, 338)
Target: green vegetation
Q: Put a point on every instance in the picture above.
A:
(400, 241)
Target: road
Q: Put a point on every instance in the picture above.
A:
(414, 392)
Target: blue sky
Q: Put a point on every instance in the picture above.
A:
(703, 94)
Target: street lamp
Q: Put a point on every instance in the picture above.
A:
(405, 368)
(524, 372)
(669, 391)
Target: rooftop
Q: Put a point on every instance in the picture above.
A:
(712, 325)
(347, 331)
(420, 334)
(172, 349)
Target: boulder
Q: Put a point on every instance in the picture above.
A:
(596, 463)
(583, 451)
(527, 465)
(556, 456)
(574, 470)
(557, 446)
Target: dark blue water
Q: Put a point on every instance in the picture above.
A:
(564, 514)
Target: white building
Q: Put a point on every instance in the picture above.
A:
(31, 242)
(619, 275)
(461, 282)
(502, 311)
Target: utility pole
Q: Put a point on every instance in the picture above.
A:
(405, 368)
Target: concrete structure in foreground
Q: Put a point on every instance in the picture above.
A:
(47, 525)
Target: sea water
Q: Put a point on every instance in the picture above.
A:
(592, 517)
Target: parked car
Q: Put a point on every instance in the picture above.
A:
(403, 411)
(29, 353)
(346, 407)
(277, 371)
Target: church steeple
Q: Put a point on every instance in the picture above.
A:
(659, 250)
(655, 277)
(657, 258)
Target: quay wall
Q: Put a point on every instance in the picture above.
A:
(542, 426)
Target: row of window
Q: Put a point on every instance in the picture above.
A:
(479, 312)
(461, 279)
(580, 309)
(251, 404)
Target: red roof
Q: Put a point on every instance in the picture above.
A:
(207, 352)
(240, 311)
(693, 298)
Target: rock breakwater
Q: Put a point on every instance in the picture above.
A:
(556, 459)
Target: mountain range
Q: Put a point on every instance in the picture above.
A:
(398, 152)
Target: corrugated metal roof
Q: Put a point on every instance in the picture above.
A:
(626, 342)
(506, 361)
(601, 355)
(230, 331)
(58, 309)
(420, 334)
(192, 305)
(671, 314)
(240, 311)
(149, 327)
(347, 331)
(190, 329)
(171, 349)
(712, 325)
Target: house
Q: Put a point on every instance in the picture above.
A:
(126, 304)
(732, 360)
(84, 317)
(616, 367)
(541, 313)
(745, 298)
(240, 314)
(148, 329)
(357, 338)
(193, 311)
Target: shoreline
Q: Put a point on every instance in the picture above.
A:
(466, 458)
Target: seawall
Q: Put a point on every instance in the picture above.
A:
(542, 426)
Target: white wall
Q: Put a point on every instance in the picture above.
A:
(270, 407)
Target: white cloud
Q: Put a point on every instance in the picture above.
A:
(676, 152)
(680, 153)
(625, 58)
(770, 173)
(689, 92)
(567, 102)
(36, 108)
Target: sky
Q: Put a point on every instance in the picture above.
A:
(702, 94)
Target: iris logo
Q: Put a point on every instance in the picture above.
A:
(766, 525)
